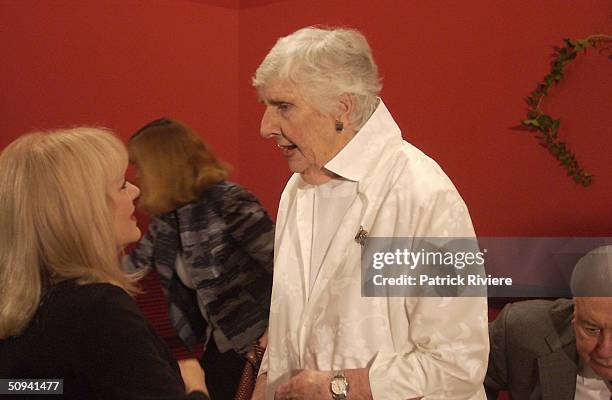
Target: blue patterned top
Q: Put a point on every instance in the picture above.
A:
(226, 240)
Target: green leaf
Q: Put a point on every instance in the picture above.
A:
(532, 114)
(545, 121)
(531, 122)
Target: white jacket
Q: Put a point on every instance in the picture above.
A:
(431, 347)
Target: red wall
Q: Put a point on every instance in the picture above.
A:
(119, 63)
(455, 74)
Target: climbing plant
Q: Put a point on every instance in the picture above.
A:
(548, 126)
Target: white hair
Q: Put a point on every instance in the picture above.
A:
(324, 64)
(592, 275)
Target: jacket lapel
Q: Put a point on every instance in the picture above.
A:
(362, 213)
(557, 376)
(559, 368)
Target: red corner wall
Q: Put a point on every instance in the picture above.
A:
(119, 64)
(455, 75)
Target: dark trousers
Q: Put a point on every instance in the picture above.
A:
(222, 370)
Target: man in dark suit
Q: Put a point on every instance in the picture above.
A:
(557, 350)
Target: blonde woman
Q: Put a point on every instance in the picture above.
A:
(66, 212)
(211, 242)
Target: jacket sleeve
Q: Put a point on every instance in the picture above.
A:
(447, 358)
(121, 355)
(250, 227)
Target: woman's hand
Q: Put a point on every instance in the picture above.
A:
(305, 385)
(193, 375)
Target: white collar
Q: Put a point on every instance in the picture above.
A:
(356, 159)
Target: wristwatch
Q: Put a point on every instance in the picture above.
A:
(339, 386)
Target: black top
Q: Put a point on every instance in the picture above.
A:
(95, 339)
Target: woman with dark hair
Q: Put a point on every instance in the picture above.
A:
(211, 242)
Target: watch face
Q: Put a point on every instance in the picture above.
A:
(338, 386)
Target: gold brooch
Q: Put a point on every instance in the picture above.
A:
(361, 236)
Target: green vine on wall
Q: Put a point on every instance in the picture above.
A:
(548, 126)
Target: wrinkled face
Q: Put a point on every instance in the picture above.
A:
(593, 326)
(122, 195)
(306, 137)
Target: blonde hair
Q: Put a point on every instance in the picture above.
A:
(174, 164)
(56, 217)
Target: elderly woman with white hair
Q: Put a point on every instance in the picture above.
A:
(355, 177)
